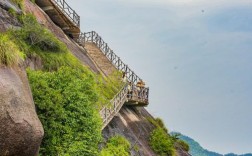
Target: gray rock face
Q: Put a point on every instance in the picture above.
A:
(21, 132)
(7, 21)
(133, 124)
(6, 4)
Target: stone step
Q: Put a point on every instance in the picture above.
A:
(100, 59)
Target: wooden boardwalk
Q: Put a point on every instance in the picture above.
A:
(69, 21)
(62, 15)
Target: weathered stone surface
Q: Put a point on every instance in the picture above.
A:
(34, 62)
(181, 152)
(21, 132)
(132, 123)
(7, 21)
(6, 4)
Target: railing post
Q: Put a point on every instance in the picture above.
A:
(118, 62)
(100, 42)
(78, 20)
(105, 116)
(132, 76)
(83, 38)
(92, 36)
(74, 16)
(115, 104)
(126, 70)
(106, 51)
(63, 5)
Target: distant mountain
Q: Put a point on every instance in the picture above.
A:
(197, 150)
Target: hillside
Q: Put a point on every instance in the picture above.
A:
(197, 150)
(52, 91)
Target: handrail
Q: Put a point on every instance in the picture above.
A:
(108, 112)
(68, 11)
(142, 95)
(139, 94)
(93, 37)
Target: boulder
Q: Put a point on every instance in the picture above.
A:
(21, 131)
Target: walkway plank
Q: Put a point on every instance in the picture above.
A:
(63, 15)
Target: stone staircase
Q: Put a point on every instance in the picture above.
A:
(100, 59)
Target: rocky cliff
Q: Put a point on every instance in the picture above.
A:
(21, 131)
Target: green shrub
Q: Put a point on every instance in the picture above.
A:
(161, 143)
(53, 61)
(65, 102)
(158, 123)
(9, 52)
(12, 12)
(37, 41)
(116, 146)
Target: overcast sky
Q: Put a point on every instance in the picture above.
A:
(196, 57)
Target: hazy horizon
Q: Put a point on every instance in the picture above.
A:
(196, 57)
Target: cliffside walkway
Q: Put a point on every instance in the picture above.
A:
(94, 43)
(68, 20)
(62, 15)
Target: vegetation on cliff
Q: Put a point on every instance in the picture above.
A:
(36, 41)
(116, 146)
(9, 52)
(67, 94)
(65, 104)
(162, 142)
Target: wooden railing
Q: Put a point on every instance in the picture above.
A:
(110, 110)
(93, 37)
(139, 94)
(67, 11)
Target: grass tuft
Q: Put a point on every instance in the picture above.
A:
(9, 52)
(19, 3)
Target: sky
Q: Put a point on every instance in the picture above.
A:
(196, 57)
